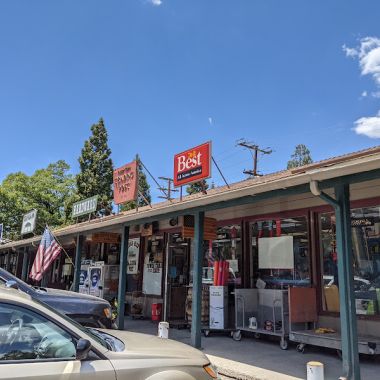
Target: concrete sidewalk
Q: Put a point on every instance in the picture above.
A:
(260, 359)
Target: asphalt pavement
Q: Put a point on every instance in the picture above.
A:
(260, 359)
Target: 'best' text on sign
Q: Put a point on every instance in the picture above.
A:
(193, 165)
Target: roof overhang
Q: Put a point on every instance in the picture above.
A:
(351, 171)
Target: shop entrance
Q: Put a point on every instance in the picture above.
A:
(178, 277)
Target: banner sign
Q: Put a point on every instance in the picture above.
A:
(105, 237)
(29, 222)
(193, 165)
(1, 231)
(125, 183)
(86, 206)
(133, 255)
(209, 228)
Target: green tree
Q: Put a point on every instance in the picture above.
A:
(144, 188)
(51, 191)
(197, 187)
(300, 157)
(96, 168)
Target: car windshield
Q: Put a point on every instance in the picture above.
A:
(6, 276)
(90, 332)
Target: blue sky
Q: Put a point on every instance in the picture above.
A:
(167, 75)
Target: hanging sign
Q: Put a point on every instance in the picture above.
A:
(29, 222)
(1, 231)
(105, 237)
(193, 165)
(125, 183)
(86, 206)
(133, 255)
(209, 228)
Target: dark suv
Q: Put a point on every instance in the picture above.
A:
(87, 310)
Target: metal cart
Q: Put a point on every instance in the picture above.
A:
(270, 309)
(304, 314)
(369, 345)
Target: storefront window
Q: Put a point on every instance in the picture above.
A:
(153, 265)
(365, 229)
(227, 247)
(280, 253)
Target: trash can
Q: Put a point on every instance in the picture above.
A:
(156, 311)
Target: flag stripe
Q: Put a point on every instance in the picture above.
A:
(47, 252)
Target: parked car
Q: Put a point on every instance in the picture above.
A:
(38, 342)
(85, 309)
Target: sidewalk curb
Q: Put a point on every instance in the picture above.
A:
(241, 371)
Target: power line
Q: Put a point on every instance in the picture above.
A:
(256, 149)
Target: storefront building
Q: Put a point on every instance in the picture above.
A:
(155, 260)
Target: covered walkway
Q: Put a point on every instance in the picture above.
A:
(260, 359)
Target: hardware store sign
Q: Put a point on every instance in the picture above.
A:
(86, 206)
(125, 183)
(193, 165)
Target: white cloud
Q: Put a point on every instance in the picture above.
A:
(364, 94)
(368, 54)
(368, 126)
(350, 52)
(156, 2)
(210, 121)
(375, 94)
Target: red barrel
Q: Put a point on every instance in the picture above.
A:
(156, 311)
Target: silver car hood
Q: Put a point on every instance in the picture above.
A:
(68, 294)
(143, 346)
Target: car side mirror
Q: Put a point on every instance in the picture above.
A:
(83, 348)
(11, 284)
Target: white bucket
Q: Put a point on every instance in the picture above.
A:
(315, 371)
(163, 330)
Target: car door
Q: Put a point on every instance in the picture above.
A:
(35, 347)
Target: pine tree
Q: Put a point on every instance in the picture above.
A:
(197, 187)
(96, 168)
(300, 157)
(144, 188)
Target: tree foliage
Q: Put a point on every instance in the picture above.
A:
(51, 191)
(96, 168)
(144, 188)
(197, 187)
(300, 157)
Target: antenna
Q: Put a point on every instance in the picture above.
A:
(253, 147)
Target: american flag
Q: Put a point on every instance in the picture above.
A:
(47, 252)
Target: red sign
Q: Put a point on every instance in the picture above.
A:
(125, 183)
(193, 165)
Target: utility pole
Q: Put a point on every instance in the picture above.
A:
(167, 191)
(256, 149)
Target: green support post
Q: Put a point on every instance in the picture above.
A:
(78, 260)
(122, 278)
(350, 356)
(25, 262)
(197, 280)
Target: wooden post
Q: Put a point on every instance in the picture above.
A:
(122, 278)
(78, 260)
(197, 280)
(25, 262)
(348, 322)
